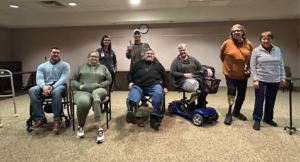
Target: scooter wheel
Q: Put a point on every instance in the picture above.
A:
(170, 108)
(197, 119)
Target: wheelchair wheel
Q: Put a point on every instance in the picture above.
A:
(216, 117)
(170, 108)
(197, 119)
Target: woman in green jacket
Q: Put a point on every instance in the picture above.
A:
(91, 80)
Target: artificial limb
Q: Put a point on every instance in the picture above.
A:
(228, 118)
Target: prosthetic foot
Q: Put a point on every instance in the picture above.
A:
(132, 108)
(228, 118)
(194, 96)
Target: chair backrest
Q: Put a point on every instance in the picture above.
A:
(287, 71)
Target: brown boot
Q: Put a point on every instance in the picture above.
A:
(39, 123)
(56, 125)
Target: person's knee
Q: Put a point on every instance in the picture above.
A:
(83, 102)
(99, 91)
(57, 93)
(34, 90)
(157, 97)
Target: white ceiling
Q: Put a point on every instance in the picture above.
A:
(107, 12)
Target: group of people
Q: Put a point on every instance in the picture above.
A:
(147, 77)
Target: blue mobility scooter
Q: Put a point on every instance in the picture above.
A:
(198, 114)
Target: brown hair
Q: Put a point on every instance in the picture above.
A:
(266, 33)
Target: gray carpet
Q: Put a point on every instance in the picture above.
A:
(177, 139)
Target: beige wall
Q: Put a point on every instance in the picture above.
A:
(5, 44)
(204, 40)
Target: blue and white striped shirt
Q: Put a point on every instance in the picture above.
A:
(265, 66)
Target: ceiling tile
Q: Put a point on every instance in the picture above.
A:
(89, 9)
(66, 3)
(219, 3)
(176, 1)
(157, 5)
(156, 1)
(32, 5)
(116, 2)
(260, 2)
(16, 11)
(177, 5)
(197, 4)
(285, 1)
(93, 2)
(55, 10)
(4, 5)
(128, 7)
(239, 2)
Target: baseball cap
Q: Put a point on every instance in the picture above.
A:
(136, 30)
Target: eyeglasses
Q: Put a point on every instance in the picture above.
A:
(94, 56)
(182, 50)
(56, 53)
(106, 40)
(149, 53)
(233, 31)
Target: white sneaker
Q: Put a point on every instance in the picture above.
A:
(80, 132)
(100, 136)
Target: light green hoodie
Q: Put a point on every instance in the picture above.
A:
(91, 77)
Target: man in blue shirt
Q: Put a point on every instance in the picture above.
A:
(50, 78)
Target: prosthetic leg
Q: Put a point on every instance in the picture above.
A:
(132, 108)
(228, 118)
(194, 96)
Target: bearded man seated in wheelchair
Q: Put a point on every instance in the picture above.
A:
(145, 79)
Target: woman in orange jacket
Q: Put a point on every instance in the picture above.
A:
(235, 54)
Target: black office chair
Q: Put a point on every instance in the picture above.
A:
(47, 106)
(107, 107)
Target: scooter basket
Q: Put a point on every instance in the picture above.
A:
(211, 85)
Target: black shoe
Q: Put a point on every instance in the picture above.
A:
(130, 117)
(239, 116)
(132, 108)
(271, 122)
(154, 123)
(256, 125)
(228, 119)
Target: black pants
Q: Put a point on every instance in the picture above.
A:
(239, 85)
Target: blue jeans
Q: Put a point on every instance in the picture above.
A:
(35, 94)
(155, 93)
(268, 91)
